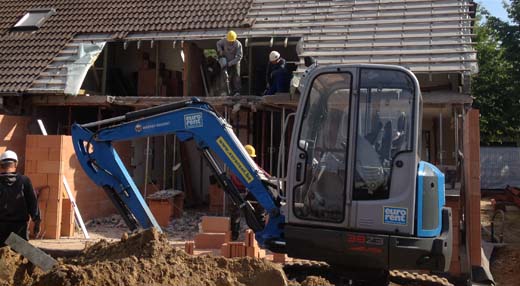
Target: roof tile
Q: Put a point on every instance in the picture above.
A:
(23, 55)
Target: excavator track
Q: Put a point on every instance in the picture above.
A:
(411, 278)
(339, 276)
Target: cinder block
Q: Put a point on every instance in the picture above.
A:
(225, 250)
(54, 181)
(252, 251)
(162, 211)
(211, 240)
(250, 238)
(48, 141)
(189, 247)
(48, 167)
(215, 224)
(36, 154)
(278, 257)
(54, 154)
(67, 218)
(37, 180)
(31, 141)
(31, 166)
(261, 253)
(237, 249)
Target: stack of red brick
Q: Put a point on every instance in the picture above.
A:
(239, 249)
(45, 167)
(215, 231)
(166, 209)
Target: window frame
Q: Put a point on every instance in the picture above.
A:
(46, 13)
(351, 101)
(413, 126)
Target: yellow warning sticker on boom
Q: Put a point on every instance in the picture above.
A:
(234, 159)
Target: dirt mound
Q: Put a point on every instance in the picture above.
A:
(148, 259)
(316, 281)
(14, 269)
(504, 265)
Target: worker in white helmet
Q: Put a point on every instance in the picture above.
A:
(277, 74)
(230, 49)
(18, 201)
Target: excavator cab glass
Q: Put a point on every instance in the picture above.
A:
(324, 137)
(384, 128)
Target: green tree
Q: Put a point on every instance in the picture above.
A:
(496, 87)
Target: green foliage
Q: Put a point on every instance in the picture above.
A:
(497, 86)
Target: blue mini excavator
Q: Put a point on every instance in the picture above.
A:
(356, 192)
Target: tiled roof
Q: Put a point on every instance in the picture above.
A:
(427, 36)
(24, 55)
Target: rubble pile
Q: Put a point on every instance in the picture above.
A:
(114, 220)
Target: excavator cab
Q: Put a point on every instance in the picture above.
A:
(357, 193)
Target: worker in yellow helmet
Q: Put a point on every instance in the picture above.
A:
(250, 151)
(234, 210)
(230, 51)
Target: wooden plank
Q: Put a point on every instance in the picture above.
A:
(471, 142)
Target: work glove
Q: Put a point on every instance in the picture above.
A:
(36, 228)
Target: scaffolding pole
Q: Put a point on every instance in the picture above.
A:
(147, 155)
(271, 143)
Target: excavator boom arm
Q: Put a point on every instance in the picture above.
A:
(190, 120)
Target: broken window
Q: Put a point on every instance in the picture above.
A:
(33, 19)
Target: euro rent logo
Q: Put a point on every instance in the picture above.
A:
(395, 216)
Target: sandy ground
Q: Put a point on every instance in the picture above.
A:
(505, 261)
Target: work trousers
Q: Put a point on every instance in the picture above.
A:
(20, 228)
(233, 74)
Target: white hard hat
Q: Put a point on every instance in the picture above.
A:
(273, 56)
(9, 156)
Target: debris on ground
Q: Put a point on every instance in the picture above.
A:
(114, 220)
(164, 194)
(504, 265)
(185, 227)
(316, 281)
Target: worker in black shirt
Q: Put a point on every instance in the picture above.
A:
(277, 77)
(18, 200)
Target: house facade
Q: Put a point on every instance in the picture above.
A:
(86, 60)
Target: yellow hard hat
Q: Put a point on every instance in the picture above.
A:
(231, 36)
(250, 150)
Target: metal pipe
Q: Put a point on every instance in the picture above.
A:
(271, 143)
(224, 205)
(157, 82)
(250, 71)
(147, 155)
(440, 140)
(174, 159)
(104, 74)
(164, 162)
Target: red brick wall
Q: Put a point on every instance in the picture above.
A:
(48, 159)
